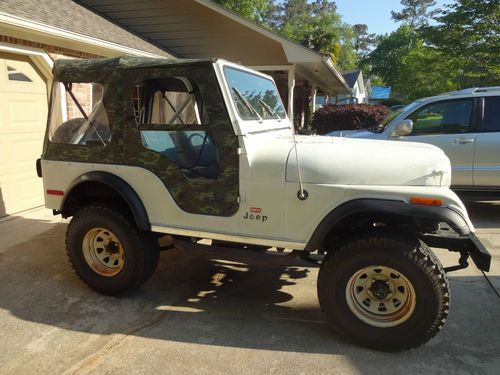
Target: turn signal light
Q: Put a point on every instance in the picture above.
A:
(426, 201)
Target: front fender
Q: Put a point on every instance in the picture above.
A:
(382, 206)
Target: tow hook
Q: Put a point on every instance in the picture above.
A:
(462, 263)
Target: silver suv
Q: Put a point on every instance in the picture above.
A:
(464, 124)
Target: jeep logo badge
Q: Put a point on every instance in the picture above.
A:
(255, 214)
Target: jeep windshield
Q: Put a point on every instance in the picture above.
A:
(255, 97)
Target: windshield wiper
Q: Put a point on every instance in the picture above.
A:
(247, 103)
(269, 109)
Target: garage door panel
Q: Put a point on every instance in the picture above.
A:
(23, 114)
(17, 150)
(25, 151)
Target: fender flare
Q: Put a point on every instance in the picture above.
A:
(119, 185)
(383, 206)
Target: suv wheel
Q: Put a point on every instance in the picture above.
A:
(108, 252)
(384, 293)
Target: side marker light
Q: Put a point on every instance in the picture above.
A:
(59, 193)
(426, 201)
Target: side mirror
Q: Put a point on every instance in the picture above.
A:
(405, 127)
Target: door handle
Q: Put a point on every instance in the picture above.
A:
(462, 141)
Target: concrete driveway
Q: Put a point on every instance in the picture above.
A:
(201, 315)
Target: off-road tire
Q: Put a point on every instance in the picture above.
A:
(412, 259)
(140, 249)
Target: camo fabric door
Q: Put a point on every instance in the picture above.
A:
(180, 130)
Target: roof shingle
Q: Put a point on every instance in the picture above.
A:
(67, 15)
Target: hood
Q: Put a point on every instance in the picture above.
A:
(348, 161)
(353, 134)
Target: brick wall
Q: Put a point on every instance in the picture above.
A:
(53, 51)
(83, 93)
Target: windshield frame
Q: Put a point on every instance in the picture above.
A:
(246, 125)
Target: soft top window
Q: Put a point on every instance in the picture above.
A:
(166, 101)
(77, 114)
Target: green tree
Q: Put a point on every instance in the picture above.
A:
(415, 12)
(318, 26)
(469, 34)
(260, 11)
(363, 40)
(409, 66)
(314, 25)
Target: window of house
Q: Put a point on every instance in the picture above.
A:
(16, 75)
(82, 118)
(448, 117)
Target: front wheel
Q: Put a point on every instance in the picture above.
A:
(384, 293)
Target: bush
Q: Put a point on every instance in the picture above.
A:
(348, 117)
(391, 102)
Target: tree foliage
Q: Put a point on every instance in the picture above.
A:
(256, 10)
(415, 12)
(363, 40)
(461, 50)
(468, 32)
(409, 66)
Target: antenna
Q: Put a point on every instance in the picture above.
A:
(301, 194)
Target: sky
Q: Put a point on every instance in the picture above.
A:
(374, 13)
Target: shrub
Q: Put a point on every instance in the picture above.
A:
(391, 102)
(348, 117)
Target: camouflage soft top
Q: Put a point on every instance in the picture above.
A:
(100, 70)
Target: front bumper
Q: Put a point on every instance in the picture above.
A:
(468, 246)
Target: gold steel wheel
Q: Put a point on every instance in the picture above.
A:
(380, 296)
(103, 252)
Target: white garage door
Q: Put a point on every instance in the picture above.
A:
(23, 114)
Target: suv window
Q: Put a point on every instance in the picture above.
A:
(443, 117)
(491, 117)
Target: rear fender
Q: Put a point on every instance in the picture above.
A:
(121, 187)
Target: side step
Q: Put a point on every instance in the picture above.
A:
(239, 255)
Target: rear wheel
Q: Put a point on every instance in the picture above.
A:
(384, 293)
(108, 252)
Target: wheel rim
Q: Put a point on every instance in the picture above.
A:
(380, 296)
(103, 252)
